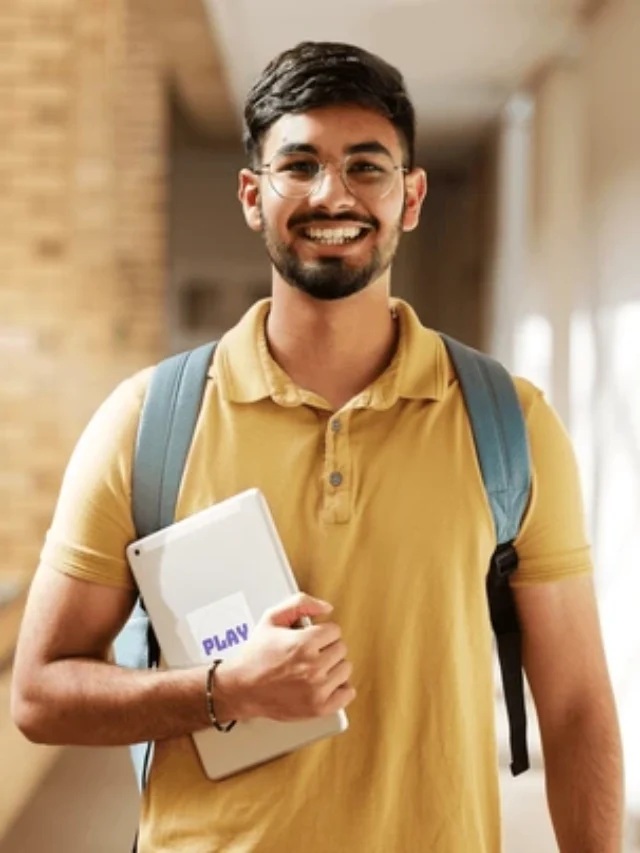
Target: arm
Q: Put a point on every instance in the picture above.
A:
(566, 669)
(65, 690)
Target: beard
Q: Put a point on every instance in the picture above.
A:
(329, 278)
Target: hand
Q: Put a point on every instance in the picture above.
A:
(287, 673)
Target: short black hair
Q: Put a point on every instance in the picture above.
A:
(320, 74)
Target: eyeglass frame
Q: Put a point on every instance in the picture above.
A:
(265, 169)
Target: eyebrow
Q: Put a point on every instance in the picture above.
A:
(296, 148)
(370, 147)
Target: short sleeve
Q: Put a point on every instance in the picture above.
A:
(552, 543)
(92, 523)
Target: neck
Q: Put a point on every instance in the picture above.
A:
(334, 349)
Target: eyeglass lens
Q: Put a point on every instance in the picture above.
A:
(298, 175)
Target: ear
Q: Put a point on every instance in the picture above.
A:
(416, 191)
(249, 196)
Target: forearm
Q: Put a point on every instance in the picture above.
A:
(584, 776)
(82, 701)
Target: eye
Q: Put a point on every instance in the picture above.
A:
(298, 168)
(364, 171)
(364, 166)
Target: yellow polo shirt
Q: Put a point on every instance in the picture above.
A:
(399, 543)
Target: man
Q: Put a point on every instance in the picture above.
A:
(337, 403)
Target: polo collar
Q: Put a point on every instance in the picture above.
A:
(246, 372)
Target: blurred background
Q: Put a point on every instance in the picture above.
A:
(121, 240)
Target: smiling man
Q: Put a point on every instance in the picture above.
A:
(366, 173)
(335, 401)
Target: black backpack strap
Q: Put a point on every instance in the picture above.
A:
(501, 443)
(506, 627)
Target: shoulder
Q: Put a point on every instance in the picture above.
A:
(544, 424)
(130, 393)
(106, 443)
(529, 395)
(119, 412)
(92, 522)
(547, 434)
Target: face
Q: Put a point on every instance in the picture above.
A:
(341, 237)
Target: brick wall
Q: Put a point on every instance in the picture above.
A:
(82, 236)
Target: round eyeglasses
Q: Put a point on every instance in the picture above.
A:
(368, 177)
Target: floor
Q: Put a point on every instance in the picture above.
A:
(88, 804)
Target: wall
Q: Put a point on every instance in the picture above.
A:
(612, 71)
(82, 283)
(447, 279)
(209, 240)
(82, 177)
(612, 80)
(585, 276)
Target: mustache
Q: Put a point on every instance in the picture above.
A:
(307, 219)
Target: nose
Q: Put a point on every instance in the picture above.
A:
(331, 190)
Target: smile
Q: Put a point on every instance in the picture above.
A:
(334, 236)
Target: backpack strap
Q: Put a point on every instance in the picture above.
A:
(167, 422)
(501, 442)
(165, 431)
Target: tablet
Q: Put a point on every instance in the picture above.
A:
(206, 581)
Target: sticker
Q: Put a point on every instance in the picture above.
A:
(222, 628)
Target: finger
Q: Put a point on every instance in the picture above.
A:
(319, 637)
(338, 676)
(332, 655)
(290, 611)
(339, 699)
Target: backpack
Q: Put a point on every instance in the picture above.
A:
(166, 427)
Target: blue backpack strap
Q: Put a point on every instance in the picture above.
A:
(166, 428)
(167, 422)
(501, 443)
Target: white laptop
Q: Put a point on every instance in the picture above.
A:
(206, 581)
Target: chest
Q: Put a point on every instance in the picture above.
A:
(381, 492)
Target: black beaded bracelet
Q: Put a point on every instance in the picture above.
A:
(210, 709)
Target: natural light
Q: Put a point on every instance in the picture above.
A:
(604, 421)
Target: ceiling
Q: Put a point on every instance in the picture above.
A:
(461, 59)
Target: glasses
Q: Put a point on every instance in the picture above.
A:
(368, 177)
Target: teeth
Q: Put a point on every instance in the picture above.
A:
(333, 236)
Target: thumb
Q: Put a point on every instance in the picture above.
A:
(292, 610)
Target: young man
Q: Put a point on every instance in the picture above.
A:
(337, 403)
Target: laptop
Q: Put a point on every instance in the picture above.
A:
(206, 581)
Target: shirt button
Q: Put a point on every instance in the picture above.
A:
(336, 426)
(335, 478)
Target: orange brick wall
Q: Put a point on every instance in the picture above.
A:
(82, 236)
